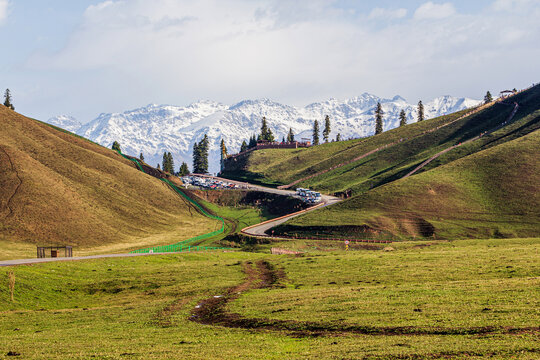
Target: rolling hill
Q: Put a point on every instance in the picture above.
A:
(57, 188)
(382, 204)
(492, 193)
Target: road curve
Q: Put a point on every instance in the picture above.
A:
(255, 230)
(259, 230)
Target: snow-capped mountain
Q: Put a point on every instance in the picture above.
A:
(154, 129)
(65, 122)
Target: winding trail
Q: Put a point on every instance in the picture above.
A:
(213, 311)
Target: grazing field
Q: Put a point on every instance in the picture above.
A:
(459, 299)
(57, 188)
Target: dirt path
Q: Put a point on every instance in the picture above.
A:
(213, 311)
(74, 258)
(422, 165)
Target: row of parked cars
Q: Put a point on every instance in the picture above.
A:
(309, 196)
(208, 183)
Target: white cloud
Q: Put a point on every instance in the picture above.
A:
(380, 13)
(129, 53)
(3, 10)
(514, 5)
(431, 10)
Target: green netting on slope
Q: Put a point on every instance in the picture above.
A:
(185, 244)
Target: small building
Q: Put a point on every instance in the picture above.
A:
(54, 251)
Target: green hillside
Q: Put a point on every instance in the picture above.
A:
(395, 158)
(57, 188)
(486, 186)
(492, 193)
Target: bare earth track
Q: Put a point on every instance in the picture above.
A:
(213, 311)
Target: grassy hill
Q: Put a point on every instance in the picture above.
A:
(400, 150)
(57, 188)
(482, 188)
(492, 193)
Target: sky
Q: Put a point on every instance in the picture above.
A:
(83, 58)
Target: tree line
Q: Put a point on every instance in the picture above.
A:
(267, 135)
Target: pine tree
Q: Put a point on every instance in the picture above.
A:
(141, 157)
(378, 119)
(266, 133)
(488, 98)
(243, 147)
(252, 142)
(264, 130)
(316, 132)
(338, 137)
(158, 167)
(270, 136)
(420, 111)
(170, 162)
(326, 131)
(201, 165)
(165, 163)
(290, 136)
(116, 146)
(283, 139)
(184, 170)
(402, 118)
(196, 157)
(7, 100)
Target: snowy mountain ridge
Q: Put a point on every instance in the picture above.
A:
(154, 129)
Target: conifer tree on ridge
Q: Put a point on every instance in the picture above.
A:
(326, 131)
(379, 119)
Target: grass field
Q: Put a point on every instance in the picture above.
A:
(140, 307)
(57, 188)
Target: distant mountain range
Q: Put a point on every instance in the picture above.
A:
(154, 129)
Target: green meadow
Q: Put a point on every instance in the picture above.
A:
(455, 299)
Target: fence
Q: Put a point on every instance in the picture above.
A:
(181, 246)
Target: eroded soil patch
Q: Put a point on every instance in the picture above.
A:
(213, 311)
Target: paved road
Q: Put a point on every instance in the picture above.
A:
(44, 260)
(259, 230)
